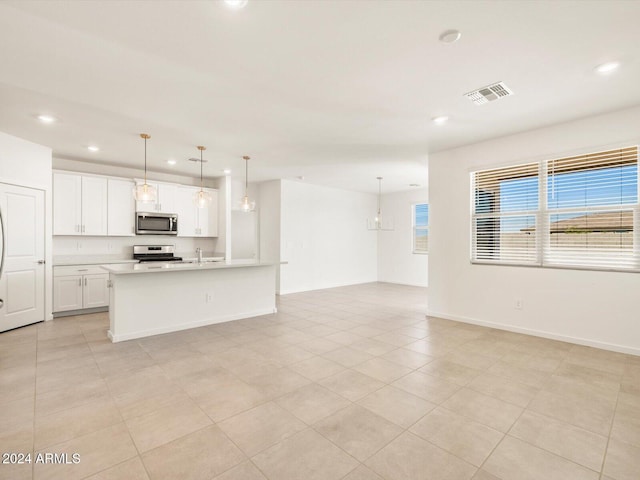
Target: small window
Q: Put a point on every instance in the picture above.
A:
(420, 216)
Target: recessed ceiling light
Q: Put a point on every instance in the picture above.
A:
(46, 118)
(92, 148)
(441, 120)
(607, 68)
(171, 161)
(236, 4)
(450, 36)
(226, 171)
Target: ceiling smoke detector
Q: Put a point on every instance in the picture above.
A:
(489, 93)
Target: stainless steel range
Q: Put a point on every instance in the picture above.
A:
(155, 253)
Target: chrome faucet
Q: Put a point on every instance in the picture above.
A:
(199, 253)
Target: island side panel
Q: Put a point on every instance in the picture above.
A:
(167, 301)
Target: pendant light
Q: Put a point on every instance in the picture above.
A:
(378, 223)
(378, 219)
(145, 193)
(202, 199)
(247, 205)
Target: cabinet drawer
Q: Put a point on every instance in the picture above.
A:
(68, 270)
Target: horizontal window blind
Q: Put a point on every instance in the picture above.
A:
(587, 217)
(504, 224)
(590, 210)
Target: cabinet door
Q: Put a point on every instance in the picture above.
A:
(94, 206)
(67, 293)
(120, 208)
(95, 292)
(208, 217)
(147, 207)
(167, 198)
(67, 204)
(186, 210)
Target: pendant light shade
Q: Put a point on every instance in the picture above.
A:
(202, 199)
(145, 193)
(247, 205)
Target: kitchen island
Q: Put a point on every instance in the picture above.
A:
(153, 298)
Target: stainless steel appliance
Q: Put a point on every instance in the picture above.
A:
(155, 253)
(150, 223)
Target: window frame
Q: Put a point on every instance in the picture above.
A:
(544, 253)
(415, 228)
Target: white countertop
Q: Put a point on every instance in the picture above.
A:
(162, 267)
(64, 260)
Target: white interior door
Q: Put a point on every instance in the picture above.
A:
(22, 244)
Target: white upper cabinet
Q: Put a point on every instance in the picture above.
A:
(166, 201)
(79, 205)
(208, 217)
(167, 198)
(67, 204)
(100, 206)
(120, 208)
(186, 210)
(194, 221)
(94, 206)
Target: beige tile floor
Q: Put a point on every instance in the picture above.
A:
(348, 383)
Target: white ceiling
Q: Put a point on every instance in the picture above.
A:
(339, 92)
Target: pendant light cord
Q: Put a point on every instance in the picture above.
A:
(246, 175)
(145, 136)
(379, 193)
(145, 160)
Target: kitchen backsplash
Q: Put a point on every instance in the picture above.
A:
(76, 245)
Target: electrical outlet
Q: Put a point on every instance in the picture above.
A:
(79, 246)
(517, 304)
(208, 297)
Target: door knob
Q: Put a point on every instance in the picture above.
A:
(1, 303)
(41, 262)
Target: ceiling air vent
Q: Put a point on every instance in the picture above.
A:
(489, 93)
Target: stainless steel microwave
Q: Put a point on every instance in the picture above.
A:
(151, 223)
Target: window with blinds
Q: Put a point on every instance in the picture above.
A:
(575, 212)
(420, 216)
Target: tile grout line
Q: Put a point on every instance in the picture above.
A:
(510, 428)
(613, 418)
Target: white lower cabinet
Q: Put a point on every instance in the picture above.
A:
(67, 293)
(95, 290)
(79, 287)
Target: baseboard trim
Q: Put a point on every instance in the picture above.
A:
(324, 287)
(538, 333)
(83, 311)
(186, 326)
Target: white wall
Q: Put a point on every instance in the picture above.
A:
(269, 220)
(587, 307)
(324, 237)
(29, 165)
(396, 261)
(127, 172)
